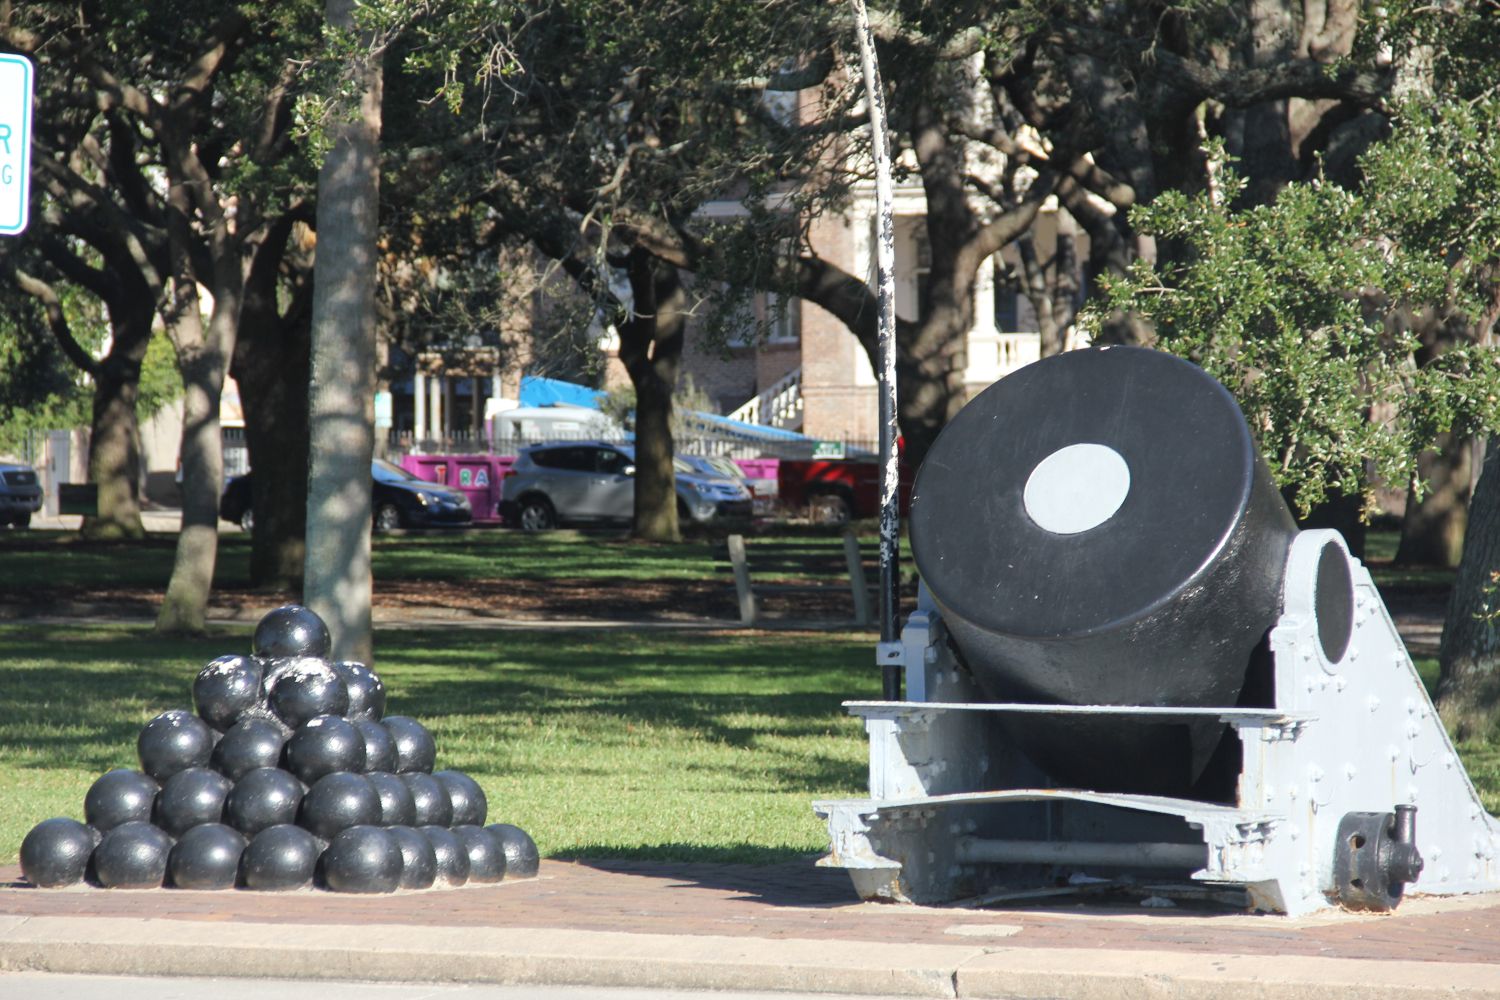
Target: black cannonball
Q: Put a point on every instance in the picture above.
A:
(325, 744)
(415, 748)
(206, 857)
(132, 856)
(304, 688)
(522, 860)
(486, 856)
(262, 798)
(366, 690)
(362, 859)
(119, 796)
(291, 630)
(430, 800)
(227, 688)
(191, 797)
(279, 858)
(451, 854)
(397, 806)
(470, 806)
(418, 859)
(174, 741)
(248, 744)
(380, 749)
(338, 801)
(56, 852)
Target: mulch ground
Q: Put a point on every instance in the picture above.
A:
(584, 599)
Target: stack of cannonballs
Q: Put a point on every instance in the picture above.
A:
(290, 775)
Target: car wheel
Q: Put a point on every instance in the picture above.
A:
(537, 515)
(387, 517)
(23, 521)
(247, 519)
(828, 508)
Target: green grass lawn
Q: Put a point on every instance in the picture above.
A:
(61, 559)
(598, 743)
(647, 744)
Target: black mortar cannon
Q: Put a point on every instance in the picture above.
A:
(1103, 531)
(1128, 666)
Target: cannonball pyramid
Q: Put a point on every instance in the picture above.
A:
(289, 775)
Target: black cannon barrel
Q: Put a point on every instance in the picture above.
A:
(1098, 528)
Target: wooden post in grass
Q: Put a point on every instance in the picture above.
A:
(742, 579)
(857, 585)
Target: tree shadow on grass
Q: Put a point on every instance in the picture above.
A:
(77, 698)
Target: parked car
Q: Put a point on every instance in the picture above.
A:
(594, 481)
(20, 494)
(834, 491)
(399, 499)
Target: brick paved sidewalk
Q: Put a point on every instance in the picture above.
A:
(803, 902)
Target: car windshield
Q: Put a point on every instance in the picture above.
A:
(385, 472)
(678, 465)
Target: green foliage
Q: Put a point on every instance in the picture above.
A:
(1310, 309)
(41, 390)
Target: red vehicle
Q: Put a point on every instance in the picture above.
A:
(833, 491)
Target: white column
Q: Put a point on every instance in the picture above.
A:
(419, 406)
(436, 407)
(984, 338)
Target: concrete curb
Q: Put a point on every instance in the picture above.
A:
(531, 956)
(509, 956)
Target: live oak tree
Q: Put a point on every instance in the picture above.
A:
(177, 160)
(593, 126)
(1297, 307)
(1304, 308)
(97, 228)
(997, 109)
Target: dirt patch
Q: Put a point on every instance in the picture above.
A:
(585, 599)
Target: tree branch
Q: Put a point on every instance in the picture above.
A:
(57, 320)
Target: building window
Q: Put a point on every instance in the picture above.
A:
(1007, 298)
(783, 319)
(768, 318)
(922, 272)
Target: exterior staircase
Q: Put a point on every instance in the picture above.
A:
(779, 405)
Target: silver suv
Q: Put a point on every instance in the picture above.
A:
(20, 494)
(594, 481)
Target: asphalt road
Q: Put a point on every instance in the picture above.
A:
(46, 986)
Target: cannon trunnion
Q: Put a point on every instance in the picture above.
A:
(1127, 666)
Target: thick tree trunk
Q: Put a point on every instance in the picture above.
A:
(271, 366)
(651, 350)
(185, 607)
(337, 582)
(1469, 658)
(1432, 533)
(202, 358)
(114, 460)
(930, 383)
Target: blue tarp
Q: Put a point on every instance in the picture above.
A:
(537, 390)
(714, 423)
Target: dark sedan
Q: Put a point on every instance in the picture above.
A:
(399, 499)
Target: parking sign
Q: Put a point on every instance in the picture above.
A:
(15, 142)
